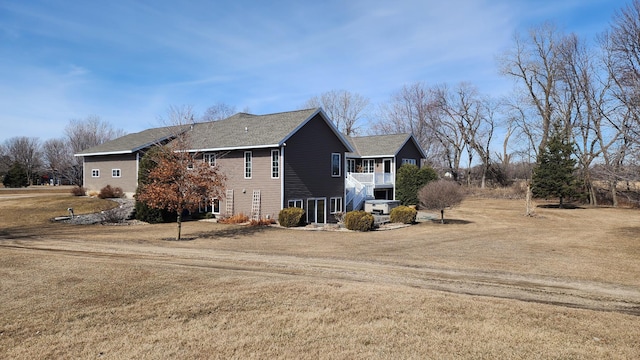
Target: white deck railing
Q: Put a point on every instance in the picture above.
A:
(375, 179)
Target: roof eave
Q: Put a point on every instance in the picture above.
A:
(119, 152)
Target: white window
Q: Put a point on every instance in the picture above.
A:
(295, 203)
(335, 205)
(247, 164)
(351, 165)
(95, 173)
(336, 164)
(368, 165)
(275, 164)
(210, 159)
(115, 173)
(409, 161)
(215, 206)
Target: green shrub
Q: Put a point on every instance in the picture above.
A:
(291, 217)
(358, 221)
(403, 214)
(109, 192)
(144, 212)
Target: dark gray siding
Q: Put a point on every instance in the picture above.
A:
(308, 163)
(408, 151)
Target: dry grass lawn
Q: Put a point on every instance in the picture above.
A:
(490, 284)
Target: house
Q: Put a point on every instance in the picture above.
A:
(271, 161)
(116, 162)
(372, 166)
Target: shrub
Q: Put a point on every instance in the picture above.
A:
(409, 179)
(109, 192)
(439, 195)
(358, 221)
(144, 212)
(403, 214)
(291, 217)
(78, 191)
(262, 222)
(239, 218)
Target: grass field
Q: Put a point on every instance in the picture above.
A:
(492, 283)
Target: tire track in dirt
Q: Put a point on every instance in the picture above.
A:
(566, 292)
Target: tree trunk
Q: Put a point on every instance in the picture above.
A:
(179, 225)
(614, 193)
(593, 199)
(442, 216)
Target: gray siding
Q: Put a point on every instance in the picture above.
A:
(232, 166)
(409, 151)
(308, 164)
(127, 163)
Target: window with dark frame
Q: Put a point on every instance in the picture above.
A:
(335, 164)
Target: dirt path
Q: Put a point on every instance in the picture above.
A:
(567, 292)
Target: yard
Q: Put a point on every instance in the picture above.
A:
(491, 284)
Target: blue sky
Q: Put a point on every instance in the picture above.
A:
(128, 61)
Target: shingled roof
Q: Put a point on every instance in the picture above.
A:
(240, 131)
(380, 145)
(131, 143)
(245, 131)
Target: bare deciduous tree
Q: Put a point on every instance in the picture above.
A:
(533, 63)
(57, 157)
(345, 109)
(27, 152)
(440, 195)
(83, 134)
(218, 111)
(409, 111)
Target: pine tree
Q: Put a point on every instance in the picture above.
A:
(16, 176)
(554, 174)
(410, 179)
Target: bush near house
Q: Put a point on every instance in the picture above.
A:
(109, 192)
(78, 191)
(291, 217)
(403, 214)
(409, 179)
(358, 220)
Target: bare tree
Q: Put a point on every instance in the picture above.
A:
(440, 195)
(57, 157)
(533, 63)
(621, 45)
(409, 111)
(83, 134)
(27, 152)
(218, 111)
(345, 109)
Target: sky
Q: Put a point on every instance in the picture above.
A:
(129, 61)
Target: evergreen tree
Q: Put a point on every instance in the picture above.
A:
(409, 180)
(554, 174)
(16, 176)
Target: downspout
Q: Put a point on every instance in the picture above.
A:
(393, 168)
(344, 184)
(137, 169)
